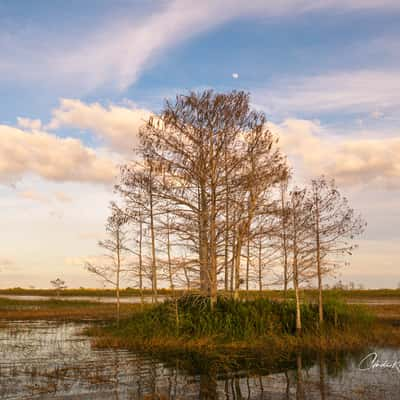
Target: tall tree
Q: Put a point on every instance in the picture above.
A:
(215, 151)
(334, 228)
(137, 186)
(116, 246)
(299, 244)
(283, 217)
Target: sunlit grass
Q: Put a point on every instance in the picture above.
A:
(260, 325)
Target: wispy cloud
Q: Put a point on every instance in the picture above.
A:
(116, 53)
(365, 91)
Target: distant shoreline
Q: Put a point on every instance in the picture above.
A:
(351, 295)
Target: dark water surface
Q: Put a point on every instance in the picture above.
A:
(53, 360)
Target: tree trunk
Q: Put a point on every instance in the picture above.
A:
(226, 267)
(170, 277)
(238, 253)
(284, 241)
(118, 276)
(260, 266)
(319, 273)
(213, 217)
(233, 273)
(298, 310)
(187, 278)
(203, 241)
(248, 262)
(141, 261)
(153, 241)
(296, 275)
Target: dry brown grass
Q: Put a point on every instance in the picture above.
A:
(386, 311)
(61, 310)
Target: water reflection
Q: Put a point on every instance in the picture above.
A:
(95, 299)
(50, 360)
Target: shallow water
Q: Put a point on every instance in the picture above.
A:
(99, 299)
(148, 299)
(52, 360)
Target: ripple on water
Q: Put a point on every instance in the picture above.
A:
(53, 360)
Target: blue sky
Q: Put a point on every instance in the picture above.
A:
(325, 72)
(261, 48)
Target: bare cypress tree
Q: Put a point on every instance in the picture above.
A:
(137, 186)
(140, 255)
(260, 282)
(299, 244)
(264, 168)
(334, 228)
(116, 246)
(283, 216)
(136, 228)
(150, 168)
(215, 150)
(227, 218)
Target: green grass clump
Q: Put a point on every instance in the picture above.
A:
(192, 317)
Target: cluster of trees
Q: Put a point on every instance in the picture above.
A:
(208, 204)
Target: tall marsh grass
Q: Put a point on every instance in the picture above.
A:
(193, 317)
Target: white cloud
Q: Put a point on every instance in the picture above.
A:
(363, 161)
(351, 161)
(235, 75)
(116, 126)
(354, 91)
(118, 51)
(29, 124)
(51, 157)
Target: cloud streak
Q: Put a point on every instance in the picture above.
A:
(116, 54)
(357, 91)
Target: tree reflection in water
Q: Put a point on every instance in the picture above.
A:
(48, 360)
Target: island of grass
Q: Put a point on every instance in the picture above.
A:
(259, 326)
